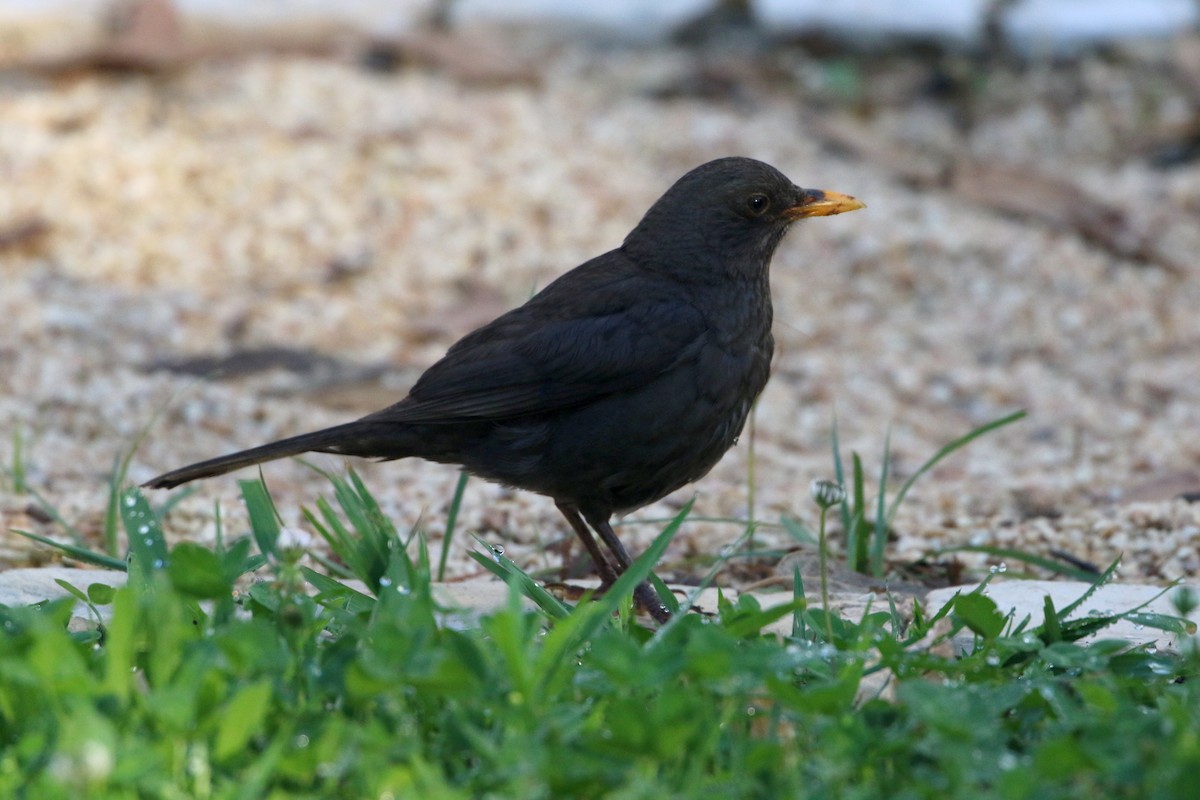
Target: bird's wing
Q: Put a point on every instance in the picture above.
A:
(548, 355)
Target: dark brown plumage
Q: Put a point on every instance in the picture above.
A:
(623, 380)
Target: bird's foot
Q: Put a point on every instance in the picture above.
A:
(648, 600)
(644, 596)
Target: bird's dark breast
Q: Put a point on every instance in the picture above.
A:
(627, 449)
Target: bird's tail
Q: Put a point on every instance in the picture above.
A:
(353, 438)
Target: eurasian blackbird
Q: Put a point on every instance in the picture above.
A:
(621, 381)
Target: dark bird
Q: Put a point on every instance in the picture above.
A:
(623, 380)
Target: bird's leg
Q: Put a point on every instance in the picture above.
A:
(602, 527)
(644, 594)
(608, 575)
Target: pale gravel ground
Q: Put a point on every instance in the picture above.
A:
(201, 213)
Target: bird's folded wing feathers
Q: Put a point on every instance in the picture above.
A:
(525, 365)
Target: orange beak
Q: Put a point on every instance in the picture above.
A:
(818, 203)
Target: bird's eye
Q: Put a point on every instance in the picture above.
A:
(758, 204)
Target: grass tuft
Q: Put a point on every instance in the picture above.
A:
(193, 682)
(866, 532)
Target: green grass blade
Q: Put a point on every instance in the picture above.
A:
(264, 520)
(331, 566)
(1097, 582)
(880, 532)
(451, 521)
(17, 473)
(331, 589)
(1049, 564)
(839, 475)
(333, 532)
(668, 597)
(799, 629)
(1162, 622)
(946, 450)
(112, 515)
(116, 480)
(797, 530)
(147, 545)
(501, 566)
(76, 535)
(1051, 629)
(376, 538)
(851, 511)
(76, 552)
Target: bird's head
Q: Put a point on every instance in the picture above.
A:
(727, 215)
